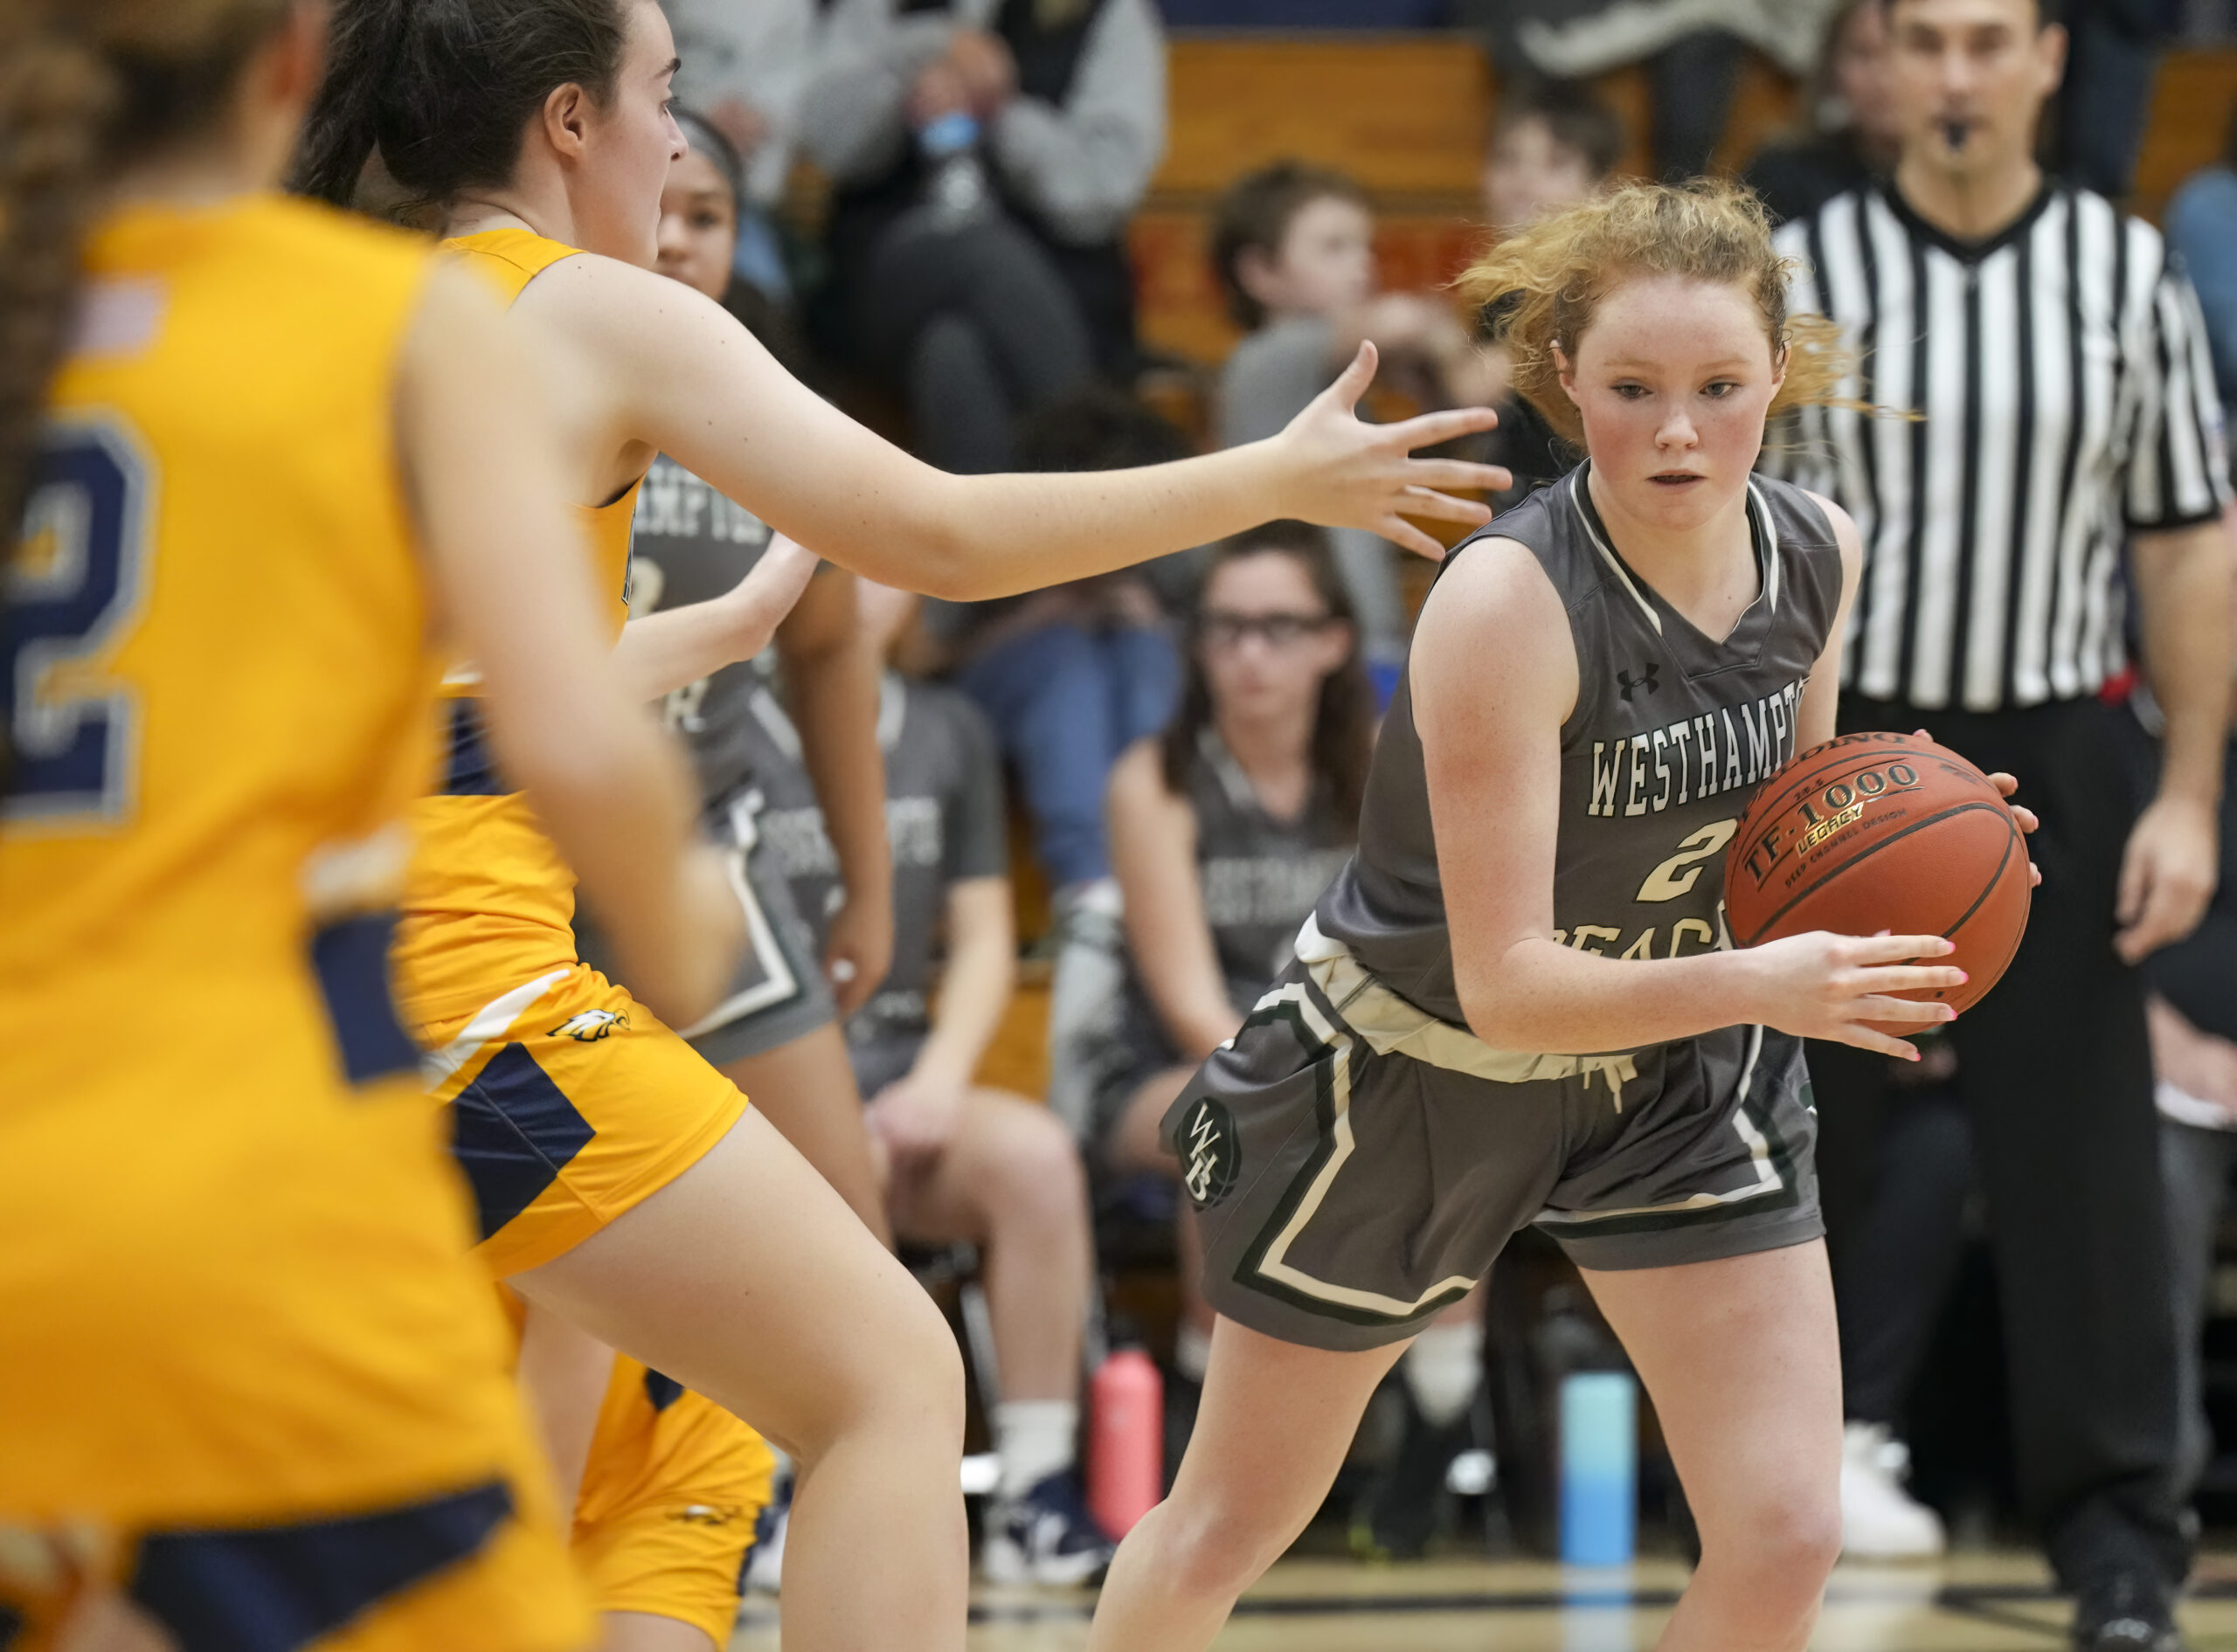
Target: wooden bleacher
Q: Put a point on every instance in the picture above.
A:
(1408, 115)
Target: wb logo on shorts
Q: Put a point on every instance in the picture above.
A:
(1208, 1153)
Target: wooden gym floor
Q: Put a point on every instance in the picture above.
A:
(1974, 1603)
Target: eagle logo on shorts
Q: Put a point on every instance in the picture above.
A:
(1210, 1152)
(591, 1025)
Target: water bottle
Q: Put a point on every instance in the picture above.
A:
(1125, 1449)
(1599, 1467)
(955, 184)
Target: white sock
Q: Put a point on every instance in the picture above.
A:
(1192, 1352)
(1443, 1368)
(1033, 1440)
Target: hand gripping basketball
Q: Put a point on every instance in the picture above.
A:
(1884, 882)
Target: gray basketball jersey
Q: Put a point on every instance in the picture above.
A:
(689, 544)
(944, 820)
(1259, 876)
(1671, 735)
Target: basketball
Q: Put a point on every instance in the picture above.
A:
(1874, 832)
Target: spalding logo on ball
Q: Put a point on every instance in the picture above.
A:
(1874, 832)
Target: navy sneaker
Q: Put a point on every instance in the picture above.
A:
(1047, 1536)
(2124, 1611)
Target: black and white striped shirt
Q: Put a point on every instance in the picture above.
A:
(2067, 398)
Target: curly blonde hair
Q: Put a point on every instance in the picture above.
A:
(1542, 286)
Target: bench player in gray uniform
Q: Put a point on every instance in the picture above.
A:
(1518, 1003)
(776, 1034)
(969, 1162)
(1224, 829)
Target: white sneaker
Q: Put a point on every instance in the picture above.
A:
(1880, 1520)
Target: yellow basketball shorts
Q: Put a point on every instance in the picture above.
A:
(244, 1351)
(673, 1543)
(570, 1103)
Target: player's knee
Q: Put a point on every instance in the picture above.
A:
(1043, 1168)
(1787, 1540)
(924, 1360)
(1216, 1550)
(904, 1378)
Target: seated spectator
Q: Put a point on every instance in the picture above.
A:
(1853, 129)
(1293, 245)
(963, 1162)
(2202, 230)
(985, 159)
(744, 64)
(1070, 677)
(1690, 50)
(1552, 144)
(1225, 829)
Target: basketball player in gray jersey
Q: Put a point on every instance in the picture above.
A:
(1518, 1004)
(777, 1033)
(969, 1162)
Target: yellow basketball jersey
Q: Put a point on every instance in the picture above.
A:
(232, 1270)
(488, 895)
(216, 671)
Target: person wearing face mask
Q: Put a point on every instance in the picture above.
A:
(2067, 427)
(984, 156)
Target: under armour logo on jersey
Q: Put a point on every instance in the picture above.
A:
(591, 1025)
(1646, 678)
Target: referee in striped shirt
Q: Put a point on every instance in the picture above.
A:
(2068, 413)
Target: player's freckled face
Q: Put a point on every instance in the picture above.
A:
(1673, 379)
(633, 142)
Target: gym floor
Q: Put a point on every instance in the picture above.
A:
(1973, 1603)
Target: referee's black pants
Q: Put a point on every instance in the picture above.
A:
(2056, 1071)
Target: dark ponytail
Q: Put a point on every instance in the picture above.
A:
(1343, 727)
(56, 93)
(444, 90)
(87, 87)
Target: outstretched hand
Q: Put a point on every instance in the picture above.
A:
(1349, 474)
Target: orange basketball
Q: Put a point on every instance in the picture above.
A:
(1874, 832)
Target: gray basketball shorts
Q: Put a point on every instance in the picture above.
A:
(1345, 1197)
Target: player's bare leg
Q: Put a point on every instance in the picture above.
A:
(807, 1088)
(748, 1279)
(1743, 1362)
(1009, 1181)
(645, 1632)
(1276, 1422)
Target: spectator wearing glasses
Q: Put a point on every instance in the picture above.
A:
(1224, 829)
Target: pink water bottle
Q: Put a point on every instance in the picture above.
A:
(1126, 1452)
